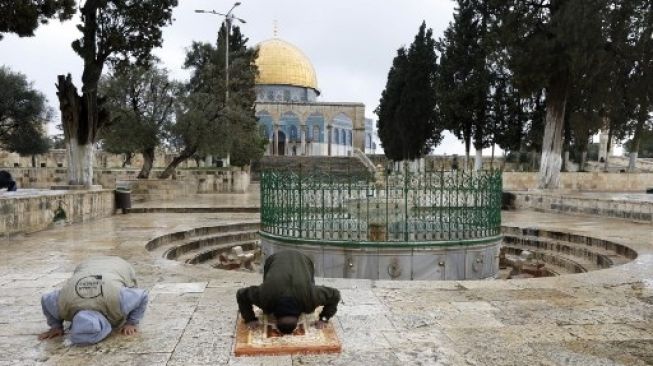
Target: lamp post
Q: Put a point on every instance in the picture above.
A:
(228, 18)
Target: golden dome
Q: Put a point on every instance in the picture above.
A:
(281, 63)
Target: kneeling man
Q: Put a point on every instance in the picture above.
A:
(288, 290)
(100, 296)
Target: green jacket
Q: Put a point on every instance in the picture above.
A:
(288, 273)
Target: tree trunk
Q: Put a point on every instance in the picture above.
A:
(148, 162)
(81, 117)
(185, 154)
(492, 158)
(549, 175)
(478, 160)
(33, 161)
(583, 159)
(606, 166)
(468, 144)
(637, 137)
(80, 163)
(127, 160)
(632, 161)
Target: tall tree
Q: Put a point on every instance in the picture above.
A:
(464, 77)
(641, 75)
(551, 43)
(22, 17)
(407, 118)
(29, 139)
(208, 124)
(140, 100)
(112, 31)
(22, 108)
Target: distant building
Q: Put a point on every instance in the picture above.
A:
(290, 115)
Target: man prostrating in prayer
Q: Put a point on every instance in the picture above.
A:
(99, 297)
(287, 291)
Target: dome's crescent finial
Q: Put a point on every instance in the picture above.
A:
(275, 29)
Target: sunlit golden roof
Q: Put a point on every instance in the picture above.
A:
(279, 62)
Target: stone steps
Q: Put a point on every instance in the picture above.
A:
(175, 238)
(601, 257)
(185, 250)
(337, 166)
(210, 256)
(569, 253)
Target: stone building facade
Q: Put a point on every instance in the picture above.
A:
(292, 118)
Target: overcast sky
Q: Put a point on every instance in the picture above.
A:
(351, 43)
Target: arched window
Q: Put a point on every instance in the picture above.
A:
(316, 133)
(293, 133)
(349, 138)
(369, 141)
(336, 136)
(270, 95)
(286, 95)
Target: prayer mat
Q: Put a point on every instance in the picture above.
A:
(266, 340)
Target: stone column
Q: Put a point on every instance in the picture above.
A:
(275, 142)
(302, 137)
(329, 139)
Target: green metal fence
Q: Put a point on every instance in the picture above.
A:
(398, 207)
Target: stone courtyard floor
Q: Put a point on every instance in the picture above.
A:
(599, 318)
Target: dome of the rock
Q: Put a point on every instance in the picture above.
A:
(281, 63)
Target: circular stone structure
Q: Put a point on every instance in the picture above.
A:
(443, 225)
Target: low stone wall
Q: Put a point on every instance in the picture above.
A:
(194, 182)
(27, 211)
(589, 181)
(630, 209)
(184, 181)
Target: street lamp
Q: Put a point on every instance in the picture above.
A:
(228, 18)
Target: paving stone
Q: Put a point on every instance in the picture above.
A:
(366, 358)
(179, 288)
(608, 332)
(598, 318)
(111, 359)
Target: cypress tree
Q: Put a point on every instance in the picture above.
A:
(407, 126)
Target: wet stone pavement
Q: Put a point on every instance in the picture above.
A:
(599, 318)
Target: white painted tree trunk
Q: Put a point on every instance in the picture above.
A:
(632, 161)
(551, 160)
(80, 163)
(478, 160)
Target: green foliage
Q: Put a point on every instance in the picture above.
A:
(464, 77)
(120, 31)
(29, 139)
(208, 125)
(23, 111)
(407, 120)
(645, 144)
(22, 17)
(140, 101)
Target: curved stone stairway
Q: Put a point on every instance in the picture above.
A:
(565, 253)
(203, 245)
